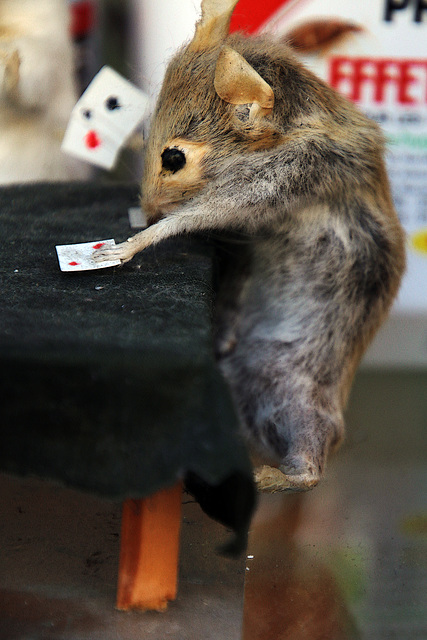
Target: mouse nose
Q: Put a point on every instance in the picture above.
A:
(173, 159)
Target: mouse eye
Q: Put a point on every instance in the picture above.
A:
(173, 159)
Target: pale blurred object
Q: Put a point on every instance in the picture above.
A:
(158, 30)
(37, 92)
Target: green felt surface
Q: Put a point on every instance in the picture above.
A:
(108, 378)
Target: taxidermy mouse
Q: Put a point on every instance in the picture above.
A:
(37, 91)
(244, 139)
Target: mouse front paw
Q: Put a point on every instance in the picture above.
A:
(123, 252)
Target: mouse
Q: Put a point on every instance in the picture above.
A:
(246, 140)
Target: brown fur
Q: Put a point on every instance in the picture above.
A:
(320, 250)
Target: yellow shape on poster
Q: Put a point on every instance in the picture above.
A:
(419, 241)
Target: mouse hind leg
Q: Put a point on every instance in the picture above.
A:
(300, 437)
(291, 419)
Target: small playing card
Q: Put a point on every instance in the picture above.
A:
(137, 218)
(79, 257)
(105, 116)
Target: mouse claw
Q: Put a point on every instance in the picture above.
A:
(122, 252)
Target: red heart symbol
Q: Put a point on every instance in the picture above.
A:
(92, 140)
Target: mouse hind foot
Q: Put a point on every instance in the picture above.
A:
(273, 480)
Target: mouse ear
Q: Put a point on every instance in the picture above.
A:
(213, 26)
(237, 82)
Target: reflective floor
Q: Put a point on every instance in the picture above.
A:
(349, 559)
(59, 557)
(345, 561)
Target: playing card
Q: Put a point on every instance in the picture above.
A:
(105, 116)
(94, 145)
(78, 257)
(137, 218)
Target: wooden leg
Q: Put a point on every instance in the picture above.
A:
(149, 551)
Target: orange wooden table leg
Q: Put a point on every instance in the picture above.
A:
(149, 551)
